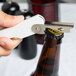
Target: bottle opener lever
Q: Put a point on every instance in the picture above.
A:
(34, 25)
(22, 29)
(60, 26)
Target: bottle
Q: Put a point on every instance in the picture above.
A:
(48, 64)
(48, 9)
(10, 7)
(28, 47)
(38, 1)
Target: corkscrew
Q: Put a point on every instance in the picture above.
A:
(34, 25)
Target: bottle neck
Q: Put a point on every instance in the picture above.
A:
(52, 42)
(49, 60)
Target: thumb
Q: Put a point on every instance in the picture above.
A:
(9, 20)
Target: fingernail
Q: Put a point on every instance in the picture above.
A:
(2, 43)
(21, 17)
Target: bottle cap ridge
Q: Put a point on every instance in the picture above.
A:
(54, 33)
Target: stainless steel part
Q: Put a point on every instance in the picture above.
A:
(60, 26)
(65, 24)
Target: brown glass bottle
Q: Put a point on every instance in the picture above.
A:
(48, 64)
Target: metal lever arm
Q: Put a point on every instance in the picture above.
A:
(65, 24)
(64, 27)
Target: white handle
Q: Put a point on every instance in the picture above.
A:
(23, 29)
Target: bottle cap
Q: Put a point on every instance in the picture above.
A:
(54, 33)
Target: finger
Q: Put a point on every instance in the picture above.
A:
(4, 52)
(9, 20)
(16, 41)
(9, 44)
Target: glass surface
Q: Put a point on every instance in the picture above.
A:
(48, 63)
(47, 8)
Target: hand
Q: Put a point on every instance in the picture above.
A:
(7, 44)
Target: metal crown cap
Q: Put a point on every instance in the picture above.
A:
(54, 33)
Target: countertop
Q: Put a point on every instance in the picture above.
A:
(14, 65)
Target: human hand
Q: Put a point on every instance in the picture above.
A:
(7, 44)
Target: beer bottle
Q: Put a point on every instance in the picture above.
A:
(48, 64)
